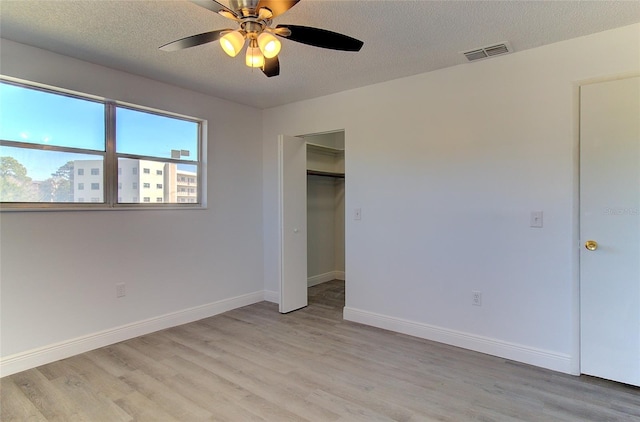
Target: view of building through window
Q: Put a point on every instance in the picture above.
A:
(171, 183)
(54, 149)
(166, 182)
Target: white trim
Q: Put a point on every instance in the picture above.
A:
(517, 352)
(280, 249)
(53, 352)
(272, 296)
(323, 278)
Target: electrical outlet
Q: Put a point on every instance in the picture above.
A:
(476, 298)
(121, 290)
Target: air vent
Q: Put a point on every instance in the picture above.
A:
(496, 50)
(486, 52)
(475, 55)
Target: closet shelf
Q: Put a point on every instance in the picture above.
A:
(325, 174)
(322, 149)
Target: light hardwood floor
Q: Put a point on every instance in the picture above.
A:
(254, 364)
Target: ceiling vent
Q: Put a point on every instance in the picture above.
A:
(489, 51)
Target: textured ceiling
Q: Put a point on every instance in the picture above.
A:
(401, 38)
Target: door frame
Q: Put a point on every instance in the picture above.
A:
(280, 249)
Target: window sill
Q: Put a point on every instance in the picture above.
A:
(101, 208)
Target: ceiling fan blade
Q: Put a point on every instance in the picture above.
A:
(214, 6)
(321, 38)
(271, 67)
(277, 7)
(194, 40)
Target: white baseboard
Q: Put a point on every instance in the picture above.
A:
(43, 355)
(546, 359)
(272, 296)
(323, 278)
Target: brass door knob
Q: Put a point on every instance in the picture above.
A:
(591, 245)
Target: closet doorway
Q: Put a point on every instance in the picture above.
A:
(312, 217)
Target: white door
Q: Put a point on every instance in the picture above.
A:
(293, 223)
(610, 216)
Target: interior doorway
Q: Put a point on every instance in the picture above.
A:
(325, 208)
(312, 214)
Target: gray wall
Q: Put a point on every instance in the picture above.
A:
(447, 167)
(59, 269)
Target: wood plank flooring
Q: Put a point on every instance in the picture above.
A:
(254, 364)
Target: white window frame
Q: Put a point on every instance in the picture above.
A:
(109, 176)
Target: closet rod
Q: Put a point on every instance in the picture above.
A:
(325, 174)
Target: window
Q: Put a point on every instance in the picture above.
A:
(147, 199)
(42, 136)
(162, 145)
(158, 199)
(51, 142)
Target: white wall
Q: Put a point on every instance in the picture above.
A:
(321, 192)
(338, 237)
(446, 167)
(325, 229)
(59, 269)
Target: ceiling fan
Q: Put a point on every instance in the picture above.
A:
(254, 18)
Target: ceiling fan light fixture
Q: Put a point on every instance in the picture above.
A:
(265, 13)
(232, 43)
(254, 19)
(254, 57)
(227, 14)
(269, 45)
